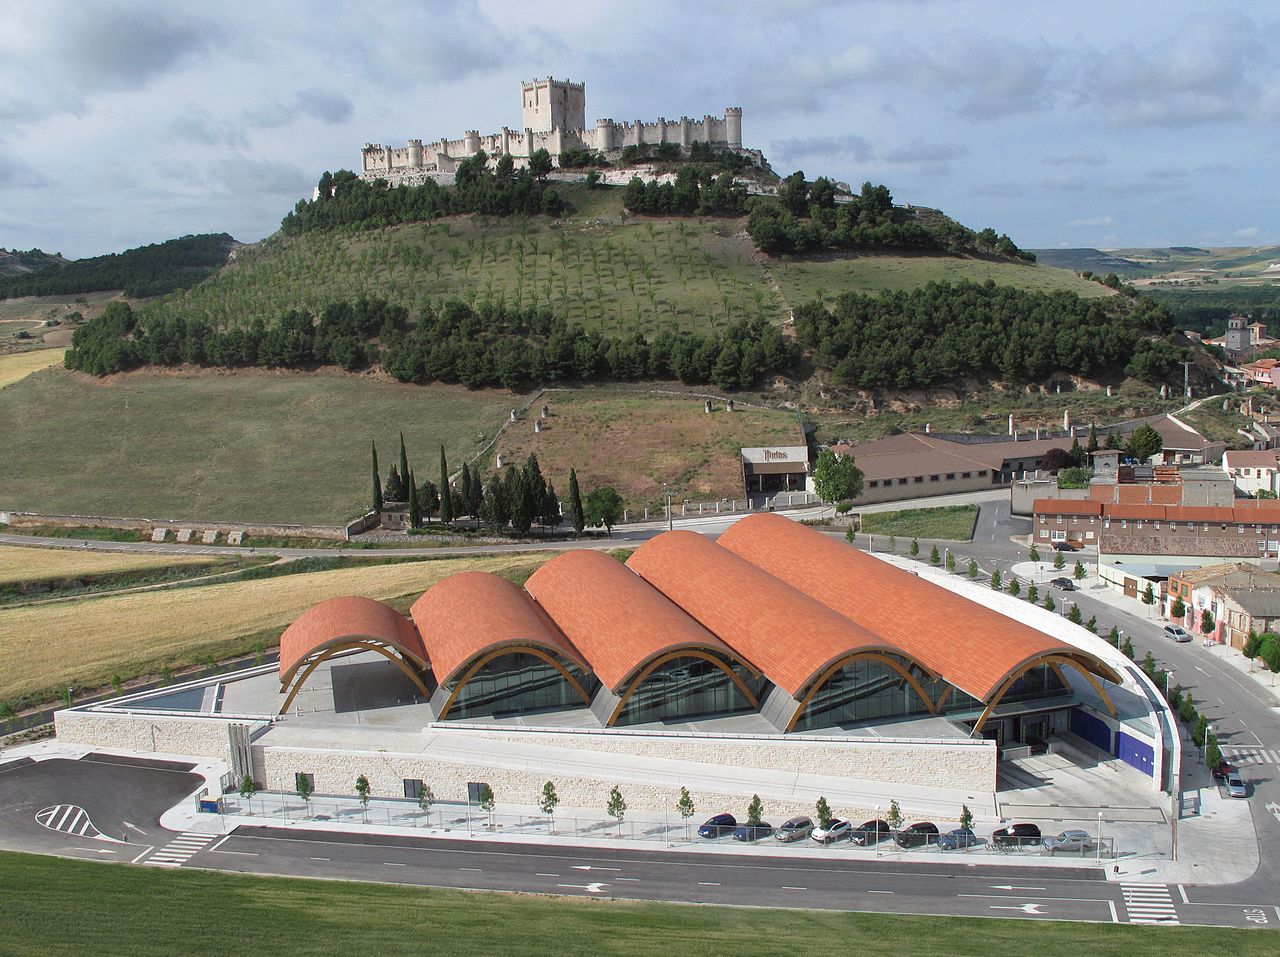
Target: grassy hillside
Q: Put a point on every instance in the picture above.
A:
(1180, 265)
(596, 266)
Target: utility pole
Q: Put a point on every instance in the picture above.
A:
(1186, 379)
(669, 495)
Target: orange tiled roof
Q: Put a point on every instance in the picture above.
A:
(787, 635)
(349, 617)
(973, 647)
(473, 613)
(1066, 506)
(616, 619)
(1148, 513)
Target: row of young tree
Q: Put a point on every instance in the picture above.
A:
(143, 271)
(696, 190)
(945, 331)
(345, 200)
(517, 498)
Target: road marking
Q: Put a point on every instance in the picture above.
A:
(595, 887)
(214, 847)
(468, 868)
(133, 827)
(320, 858)
(394, 864)
(1025, 908)
(71, 819)
(592, 867)
(95, 850)
(626, 878)
(1148, 903)
(214, 850)
(182, 848)
(708, 883)
(546, 875)
(1115, 917)
(1183, 891)
(142, 855)
(1011, 887)
(879, 892)
(787, 887)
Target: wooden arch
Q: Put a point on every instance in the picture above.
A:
(401, 661)
(643, 675)
(1056, 662)
(526, 649)
(847, 660)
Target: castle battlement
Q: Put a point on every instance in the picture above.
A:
(554, 119)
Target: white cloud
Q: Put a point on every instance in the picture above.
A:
(1248, 232)
(1092, 221)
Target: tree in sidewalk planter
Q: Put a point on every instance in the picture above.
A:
(302, 785)
(577, 516)
(548, 804)
(1074, 615)
(894, 815)
(1033, 594)
(1187, 709)
(836, 478)
(604, 507)
(1175, 698)
(996, 581)
(534, 488)
(1270, 654)
(848, 534)
(1200, 731)
(1252, 644)
(617, 807)
(1035, 554)
(487, 802)
(1015, 587)
(377, 478)
(1178, 610)
(951, 562)
(755, 811)
(1148, 665)
(823, 812)
(464, 492)
(1207, 623)
(522, 505)
(1126, 648)
(914, 550)
(1059, 561)
(1092, 624)
(1048, 604)
(426, 799)
(446, 499)
(935, 558)
(973, 569)
(1213, 754)
(363, 791)
(1113, 637)
(1149, 595)
(686, 809)
(1080, 571)
(248, 788)
(966, 817)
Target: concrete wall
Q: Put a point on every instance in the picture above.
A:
(30, 519)
(160, 734)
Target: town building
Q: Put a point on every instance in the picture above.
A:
(1183, 445)
(778, 468)
(1253, 471)
(1239, 597)
(1243, 337)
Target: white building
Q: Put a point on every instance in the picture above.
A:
(1253, 472)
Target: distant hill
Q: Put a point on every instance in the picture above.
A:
(1178, 266)
(145, 271)
(1092, 260)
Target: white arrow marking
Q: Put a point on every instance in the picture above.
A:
(1274, 809)
(1010, 887)
(592, 867)
(1025, 908)
(133, 827)
(595, 887)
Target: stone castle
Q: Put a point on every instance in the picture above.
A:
(554, 113)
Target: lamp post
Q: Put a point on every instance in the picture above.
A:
(1098, 856)
(1208, 730)
(669, 495)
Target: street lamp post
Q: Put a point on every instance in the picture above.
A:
(669, 495)
(1098, 855)
(1208, 730)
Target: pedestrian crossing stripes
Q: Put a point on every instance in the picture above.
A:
(67, 818)
(180, 850)
(1148, 904)
(1246, 756)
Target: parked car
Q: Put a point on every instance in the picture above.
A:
(1176, 633)
(1078, 841)
(957, 839)
(871, 832)
(1236, 787)
(796, 829)
(753, 832)
(1221, 769)
(718, 825)
(837, 829)
(1063, 584)
(1063, 547)
(1016, 835)
(920, 833)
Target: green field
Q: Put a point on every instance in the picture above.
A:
(597, 266)
(952, 523)
(251, 447)
(65, 907)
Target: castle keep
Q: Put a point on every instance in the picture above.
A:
(554, 119)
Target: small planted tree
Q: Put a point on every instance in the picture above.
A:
(966, 817)
(915, 547)
(1048, 603)
(1149, 595)
(248, 788)
(1148, 665)
(755, 811)
(1074, 616)
(935, 557)
(1015, 589)
(302, 784)
(1092, 624)
(996, 581)
(1207, 623)
(363, 792)
(1079, 571)
(686, 809)
(1035, 554)
(1113, 637)
(547, 805)
(1126, 648)
(894, 817)
(1059, 561)
(617, 806)
(1033, 594)
(823, 811)
(848, 534)
(893, 543)
(973, 569)
(426, 798)
(951, 562)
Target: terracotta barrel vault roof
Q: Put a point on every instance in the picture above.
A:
(787, 635)
(613, 616)
(473, 613)
(973, 647)
(343, 619)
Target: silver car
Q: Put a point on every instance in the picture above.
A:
(1078, 841)
(1236, 787)
(796, 829)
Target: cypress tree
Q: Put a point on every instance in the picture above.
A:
(394, 490)
(551, 508)
(377, 479)
(466, 490)
(534, 487)
(404, 462)
(576, 516)
(446, 500)
(415, 512)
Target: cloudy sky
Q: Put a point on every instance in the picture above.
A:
(1094, 123)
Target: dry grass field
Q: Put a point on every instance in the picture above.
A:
(32, 564)
(636, 442)
(18, 365)
(85, 642)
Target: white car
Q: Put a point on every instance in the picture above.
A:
(1236, 787)
(836, 830)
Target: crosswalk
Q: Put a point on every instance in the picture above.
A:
(67, 818)
(1244, 756)
(1148, 903)
(180, 850)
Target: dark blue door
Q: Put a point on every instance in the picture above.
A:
(1092, 729)
(1136, 753)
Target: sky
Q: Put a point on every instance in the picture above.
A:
(1093, 123)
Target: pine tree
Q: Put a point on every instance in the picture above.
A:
(394, 490)
(377, 478)
(446, 499)
(522, 507)
(535, 486)
(576, 516)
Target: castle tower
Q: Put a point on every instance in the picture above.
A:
(604, 135)
(471, 142)
(553, 104)
(415, 153)
(1237, 337)
(733, 126)
(684, 132)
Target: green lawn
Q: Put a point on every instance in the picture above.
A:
(948, 522)
(60, 907)
(254, 446)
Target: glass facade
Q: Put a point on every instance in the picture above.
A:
(863, 690)
(517, 683)
(685, 688)
(1039, 682)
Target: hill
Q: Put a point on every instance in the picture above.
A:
(143, 271)
(17, 262)
(1189, 266)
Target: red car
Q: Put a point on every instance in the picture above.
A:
(1221, 769)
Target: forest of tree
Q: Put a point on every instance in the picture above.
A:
(346, 200)
(695, 191)
(144, 271)
(805, 217)
(452, 343)
(942, 332)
